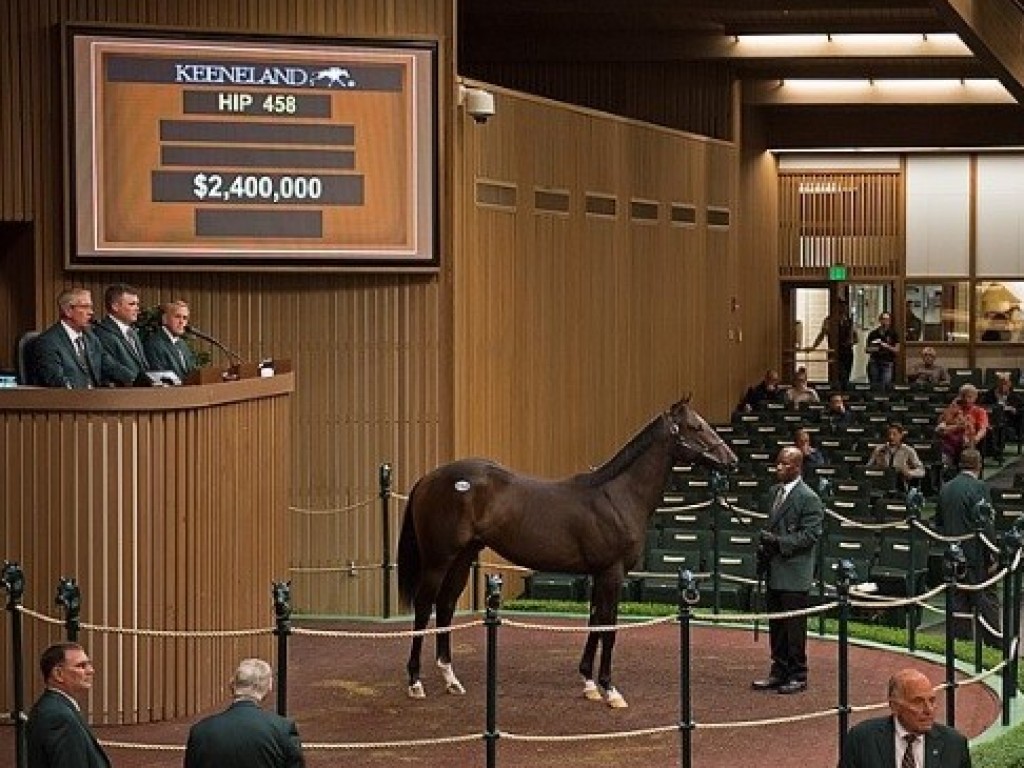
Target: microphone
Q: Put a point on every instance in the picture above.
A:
(233, 356)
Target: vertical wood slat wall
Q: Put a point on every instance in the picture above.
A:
(573, 329)
(169, 517)
(831, 217)
(368, 350)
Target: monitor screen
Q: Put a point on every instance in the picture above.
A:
(201, 152)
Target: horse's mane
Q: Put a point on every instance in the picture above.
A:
(625, 456)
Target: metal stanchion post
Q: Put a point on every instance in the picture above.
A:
(915, 502)
(492, 621)
(825, 492)
(846, 574)
(1009, 543)
(689, 594)
(14, 583)
(282, 591)
(1018, 574)
(385, 559)
(954, 568)
(69, 597)
(716, 551)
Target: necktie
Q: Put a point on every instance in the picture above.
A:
(84, 358)
(908, 754)
(133, 342)
(779, 498)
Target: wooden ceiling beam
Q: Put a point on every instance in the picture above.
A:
(993, 29)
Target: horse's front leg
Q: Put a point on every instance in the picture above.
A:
(604, 610)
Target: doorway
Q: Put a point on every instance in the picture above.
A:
(806, 307)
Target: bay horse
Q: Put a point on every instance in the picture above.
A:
(592, 523)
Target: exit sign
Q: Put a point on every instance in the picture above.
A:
(837, 272)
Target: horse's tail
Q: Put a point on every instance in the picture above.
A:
(408, 554)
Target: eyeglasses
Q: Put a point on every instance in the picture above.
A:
(81, 306)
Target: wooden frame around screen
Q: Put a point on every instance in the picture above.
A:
(213, 151)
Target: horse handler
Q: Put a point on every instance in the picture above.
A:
(786, 554)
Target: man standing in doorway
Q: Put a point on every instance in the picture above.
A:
(838, 328)
(883, 344)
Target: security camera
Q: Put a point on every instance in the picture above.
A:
(478, 103)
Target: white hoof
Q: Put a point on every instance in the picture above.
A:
(451, 682)
(614, 699)
(416, 690)
(591, 692)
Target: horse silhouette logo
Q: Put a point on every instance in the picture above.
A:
(334, 77)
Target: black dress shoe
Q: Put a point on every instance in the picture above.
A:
(793, 686)
(768, 684)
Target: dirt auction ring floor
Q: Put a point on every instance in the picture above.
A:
(352, 691)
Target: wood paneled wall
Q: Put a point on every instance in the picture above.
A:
(856, 219)
(169, 509)
(370, 353)
(550, 335)
(573, 328)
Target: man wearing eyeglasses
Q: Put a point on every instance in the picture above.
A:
(58, 736)
(68, 354)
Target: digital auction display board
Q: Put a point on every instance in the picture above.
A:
(228, 153)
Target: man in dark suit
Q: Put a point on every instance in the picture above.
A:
(117, 331)
(58, 736)
(963, 509)
(166, 348)
(244, 735)
(883, 742)
(786, 553)
(68, 354)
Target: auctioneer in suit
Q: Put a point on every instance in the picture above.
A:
(124, 347)
(58, 736)
(165, 354)
(54, 361)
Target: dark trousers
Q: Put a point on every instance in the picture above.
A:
(788, 637)
(988, 609)
(844, 367)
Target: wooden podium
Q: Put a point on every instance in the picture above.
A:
(168, 505)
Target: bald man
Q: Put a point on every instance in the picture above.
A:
(786, 549)
(883, 742)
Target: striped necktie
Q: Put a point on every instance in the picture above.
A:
(908, 760)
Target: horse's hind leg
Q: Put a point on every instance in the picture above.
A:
(422, 604)
(452, 586)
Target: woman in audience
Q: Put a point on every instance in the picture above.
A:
(800, 393)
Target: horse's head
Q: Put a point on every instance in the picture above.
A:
(696, 441)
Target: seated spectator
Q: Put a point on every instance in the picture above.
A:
(926, 371)
(813, 457)
(836, 417)
(767, 391)
(1005, 408)
(900, 457)
(963, 424)
(800, 393)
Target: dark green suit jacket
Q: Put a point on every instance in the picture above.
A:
(797, 523)
(955, 515)
(117, 346)
(59, 738)
(244, 736)
(53, 361)
(871, 744)
(165, 355)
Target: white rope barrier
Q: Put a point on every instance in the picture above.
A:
(360, 635)
(134, 631)
(336, 511)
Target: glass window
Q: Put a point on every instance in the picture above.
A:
(998, 312)
(937, 311)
